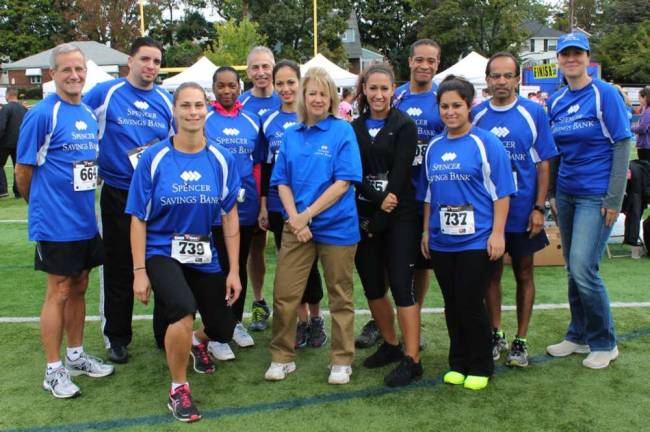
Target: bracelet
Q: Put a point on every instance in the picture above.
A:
(309, 212)
(539, 208)
(135, 269)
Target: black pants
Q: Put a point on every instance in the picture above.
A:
(245, 237)
(117, 281)
(463, 278)
(391, 253)
(182, 291)
(643, 154)
(6, 153)
(314, 290)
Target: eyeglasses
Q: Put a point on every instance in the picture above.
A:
(507, 75)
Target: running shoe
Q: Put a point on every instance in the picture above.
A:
(339, 374)
(405, 373)
(241, 336)
(385, 354)
(317, 336)
(518, 355)
(220, 351)
(181, 405)
(88, 365)
(499, 344)
(474, 382)
(279, 371)
(201, 361)
(369, 335)
(260, 316)
(58, 382)
(566, 348)
(600, 359)
(302, 334)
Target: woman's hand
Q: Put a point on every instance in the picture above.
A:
(304, 235)
(389, 203)
(496, 246)
(535, 223)
(141, 286)
(233, 288)
(298, 222)
(424, 245)
(610, 215)
(263, 219)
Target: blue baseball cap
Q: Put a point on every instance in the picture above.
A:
(575, 39)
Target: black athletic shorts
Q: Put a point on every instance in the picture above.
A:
(519, 245)
(69, 258)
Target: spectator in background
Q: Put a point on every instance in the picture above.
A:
(640, 128)
(626, 99)
(11, 116)
(345, 107)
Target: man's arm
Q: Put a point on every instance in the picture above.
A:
(24, 179)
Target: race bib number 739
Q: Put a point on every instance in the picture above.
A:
(191, 249)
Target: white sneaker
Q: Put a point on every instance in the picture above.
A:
(340, 374)
(58, 382)
(600, 359)
(241, 336)
(220, 351)
(566, 348)
(88, 365)
(279, 371)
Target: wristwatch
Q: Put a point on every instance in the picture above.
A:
(539, 208)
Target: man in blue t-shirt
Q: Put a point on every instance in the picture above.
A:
(133, 113)
(57, 175)
(260, 99)
(523, 128)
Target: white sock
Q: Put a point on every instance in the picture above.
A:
(74, 353)
(54, 366)
(177, 385)
(195, 340)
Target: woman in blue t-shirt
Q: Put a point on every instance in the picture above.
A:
(592, 132)
(468, 185)
(180, 187)
(317, 162)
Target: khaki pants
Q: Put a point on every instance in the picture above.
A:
(294, 264)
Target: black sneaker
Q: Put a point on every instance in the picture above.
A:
(201, 360)
(302, 334)
(369, 335)
(385, 354)
(317, 336)
(405, 373)
(118, 354)
(181, 405)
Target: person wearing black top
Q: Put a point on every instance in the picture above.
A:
(11, 117)
(388, 223)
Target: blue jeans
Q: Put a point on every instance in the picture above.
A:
(584, 237)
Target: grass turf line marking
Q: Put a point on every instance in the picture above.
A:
(542, 306)
(286, 404)
(13, 221)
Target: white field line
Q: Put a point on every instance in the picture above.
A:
(543, 306)
(13, 221)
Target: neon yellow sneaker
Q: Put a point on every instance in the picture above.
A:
(474, 382)
(453, 377)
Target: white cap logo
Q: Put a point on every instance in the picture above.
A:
(288, 124)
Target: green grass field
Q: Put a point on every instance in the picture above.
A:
(551, 395)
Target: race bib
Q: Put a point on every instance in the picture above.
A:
(191, 249)
(136, 153)
(378, 182)
(457, 220)
(420, 151)
(84, 175)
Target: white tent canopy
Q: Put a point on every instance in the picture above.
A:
(471, 67)
(200, 72)
(94, 75)
(341, 77)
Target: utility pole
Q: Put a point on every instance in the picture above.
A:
(572, 13)
(315, 28)
(141, 17)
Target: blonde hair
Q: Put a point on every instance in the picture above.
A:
(322, 78)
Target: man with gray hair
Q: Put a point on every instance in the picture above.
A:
(57, 176)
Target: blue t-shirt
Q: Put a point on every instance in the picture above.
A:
(310, 160)
(260, 105)
(55, 134)
(240, 135)
(585, 123)
(524, 130)
(128, 118)
(180, 193)
(423, 109)
(374, 126)
(472, 170)
(273, 126)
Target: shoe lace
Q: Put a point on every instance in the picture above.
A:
(184, 397)
(258, 313)
(519, 346)
(202, 354)
(91, 361)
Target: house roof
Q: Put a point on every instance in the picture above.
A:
(368, 54)
(99, 53)
(353, 49)
(538, 30)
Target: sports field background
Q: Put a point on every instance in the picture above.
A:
(550, 395)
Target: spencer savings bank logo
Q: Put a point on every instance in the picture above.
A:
(231, 132)
(141, 105)
(500, 131)
(448, 157)
(191, 176)
(573, 109)
(81, 125)
(414, 112)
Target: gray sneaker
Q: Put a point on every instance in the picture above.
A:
(260, 316)
(88, 365)
(58, 382)
(499, 344)
(518, 355)
(369, 335)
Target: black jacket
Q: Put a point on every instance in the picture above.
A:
(11, 117)
(390, 154)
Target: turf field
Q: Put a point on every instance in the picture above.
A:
(551, 395)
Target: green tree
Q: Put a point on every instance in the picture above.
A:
(623, 53)
(185, 53)
(195, 28)
(234, 41)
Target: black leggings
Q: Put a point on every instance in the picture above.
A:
(389, 256)
(314, 291)
(643, 154)
(245, 236)
(463, 278)
(183, 290)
